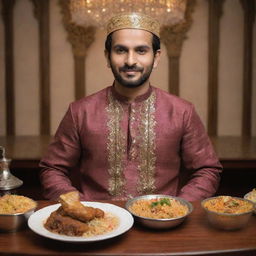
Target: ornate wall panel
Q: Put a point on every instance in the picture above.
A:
(7, 14)
(41, 12)
(173, 38)
(249, 18)
(215, 11)
(80, 38)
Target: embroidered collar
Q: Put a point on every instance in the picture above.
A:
(125, 99)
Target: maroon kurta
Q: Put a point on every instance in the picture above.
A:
(108, 148)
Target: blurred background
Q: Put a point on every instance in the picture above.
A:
(40, 70)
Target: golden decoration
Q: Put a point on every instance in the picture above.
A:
(99, 12)
(173, 36)
(147, 156)
(134, 21)
(80, 37)
(116, 147)
(142, 149)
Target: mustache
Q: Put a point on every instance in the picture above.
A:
(130, 68)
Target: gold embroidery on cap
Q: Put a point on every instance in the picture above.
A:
(133, 20)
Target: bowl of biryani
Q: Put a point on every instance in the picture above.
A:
(227, 212)
(159, 211)
(252, 197)
(15, 211)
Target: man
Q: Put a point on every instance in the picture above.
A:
(130, 138)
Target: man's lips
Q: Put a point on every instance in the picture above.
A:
(130, 72)
(127, 70)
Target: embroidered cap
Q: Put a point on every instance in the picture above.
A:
(135, 21)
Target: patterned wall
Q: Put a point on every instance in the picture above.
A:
(46, 62)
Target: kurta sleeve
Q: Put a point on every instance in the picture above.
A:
(62, 155)
(200, 159)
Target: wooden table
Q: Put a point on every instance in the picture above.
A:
(192, 237)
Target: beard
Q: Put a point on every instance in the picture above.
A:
(128, 83)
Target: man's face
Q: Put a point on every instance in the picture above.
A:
(132, 58)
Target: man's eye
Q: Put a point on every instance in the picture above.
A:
(119, 51)
(141, 51)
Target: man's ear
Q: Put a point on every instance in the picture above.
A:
(107, 54)
(157, 58)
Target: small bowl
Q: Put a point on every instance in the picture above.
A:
(14, 222)
(227, 221)
(159, 223)
(252, 197)
(11, 222)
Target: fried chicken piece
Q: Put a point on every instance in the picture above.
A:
(65, 225)
(73, 207)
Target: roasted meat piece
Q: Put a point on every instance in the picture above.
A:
(60, 223)
(71, 217)
(73, 207)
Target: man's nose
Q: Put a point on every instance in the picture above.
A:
(131, 59)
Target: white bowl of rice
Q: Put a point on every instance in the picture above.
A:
(159, 211)
(15, 211)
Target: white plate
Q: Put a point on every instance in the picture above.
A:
(246, 197)
(36, 223)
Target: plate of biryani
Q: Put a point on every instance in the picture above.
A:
(15, 211)
(228, 212)
(159, 211)
(75, 221)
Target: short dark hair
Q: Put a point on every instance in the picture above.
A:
(155, 43)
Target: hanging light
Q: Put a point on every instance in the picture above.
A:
(98, 12)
